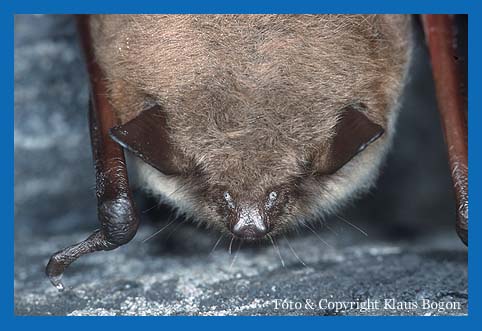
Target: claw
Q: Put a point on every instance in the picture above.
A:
(54, 271)
(57, 282)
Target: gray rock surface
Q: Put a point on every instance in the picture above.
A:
(146, 279)
(411, 252)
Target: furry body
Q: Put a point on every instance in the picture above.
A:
(251, 102)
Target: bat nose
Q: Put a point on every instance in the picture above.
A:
(250, 223)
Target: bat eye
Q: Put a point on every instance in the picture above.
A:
(272, 197)
(229, 200)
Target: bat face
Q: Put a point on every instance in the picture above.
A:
(254, 123)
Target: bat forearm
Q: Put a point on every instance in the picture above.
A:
(439, 31)
(115, 207)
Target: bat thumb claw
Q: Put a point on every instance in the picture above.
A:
(54, 271)
(57, 282)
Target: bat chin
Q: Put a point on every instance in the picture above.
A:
(251, 237)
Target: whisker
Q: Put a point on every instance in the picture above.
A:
(216, 244)
(150, 208)
(324, 224)
(352, 225)
(330, 229)
(294, 253)
(159, 231)
(177, 190)
(277, 250)
(231, 244)
(175, 229)
(317, 235)
(235, 255)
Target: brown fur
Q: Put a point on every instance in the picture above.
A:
(250, 98)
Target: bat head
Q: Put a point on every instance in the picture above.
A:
(248, 209)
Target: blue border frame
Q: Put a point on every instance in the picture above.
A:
(7, 12)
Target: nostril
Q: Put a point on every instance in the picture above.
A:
(250, 224)
(249, 232)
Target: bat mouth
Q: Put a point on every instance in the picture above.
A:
(251, 238)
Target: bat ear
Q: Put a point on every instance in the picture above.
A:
(146, 136)
(353, 133)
